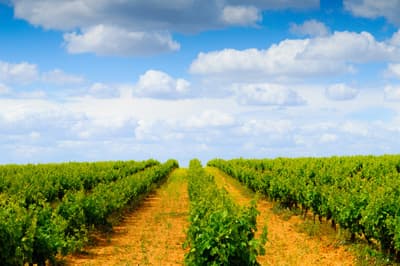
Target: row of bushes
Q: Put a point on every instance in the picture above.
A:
(50, 182)
(38, 232)
(220, 232)
(360, 193)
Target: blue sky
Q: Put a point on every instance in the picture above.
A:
(105, 80)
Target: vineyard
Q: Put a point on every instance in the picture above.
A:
(360, 193)
(49, 211)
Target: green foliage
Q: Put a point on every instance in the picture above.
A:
(220, 232)
(44, 212)
(360, 193)
(50, 182)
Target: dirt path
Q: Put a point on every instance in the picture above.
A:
(151, 235)
(286, 244)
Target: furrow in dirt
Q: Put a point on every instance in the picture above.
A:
(153, 234)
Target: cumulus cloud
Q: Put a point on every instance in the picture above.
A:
(354, 128)
(25, 73)
(390, 9)
(175, 15)
(20, 73)
(210, 118)
(4, 89)
(262, 127)
(395, 40)
(351, 47)
(340, 92)
(59, 77)
(393, 70)
(159, 84)
(110, 40)
(241, 15)
(280, 60)
(102, 90)
(309, 28)
(328, 138)
(392, 93)
(132, 25)
(85, 128)
(36, 94)
(267, 94)
(331, 54)
(144, 130)
(273, 4)
(89, 127)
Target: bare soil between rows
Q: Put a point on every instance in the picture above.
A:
(286, 244)
(153, 234)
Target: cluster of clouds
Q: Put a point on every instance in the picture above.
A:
(337, 53)
(146, 27)
(309, 28)
(153, 83)
(125, 128)
(131, 28)
(26, 73)
(125, 28)
(374, 9)
(264, 110)
(17, 79)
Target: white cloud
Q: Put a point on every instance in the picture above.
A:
(309, 28)
(392, 93)
(158, 131)
(34, 135)
(328, 138)
(20, 73)
(18, 110)
(274, 5)
(36, 94)
(141, 27)
(4, 89)
(390, 9)
(59, 77)
(280, 60)
(241, 15)
(333, 54)
(209, 118)
(395, 40)
(393, 70)
(111, 40)
(99, 127)
(144, 130)
(351, 47)
(159, 84)
(174, 15)
(267, 94)
(25, 73)
(101, 90)
(355, 128)
(126, 91)
(340, 92)
(262, 127)
(86, 128)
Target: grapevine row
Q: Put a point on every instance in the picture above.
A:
(360, 193)
(39, 231)
(50, 182)
(220, 232)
